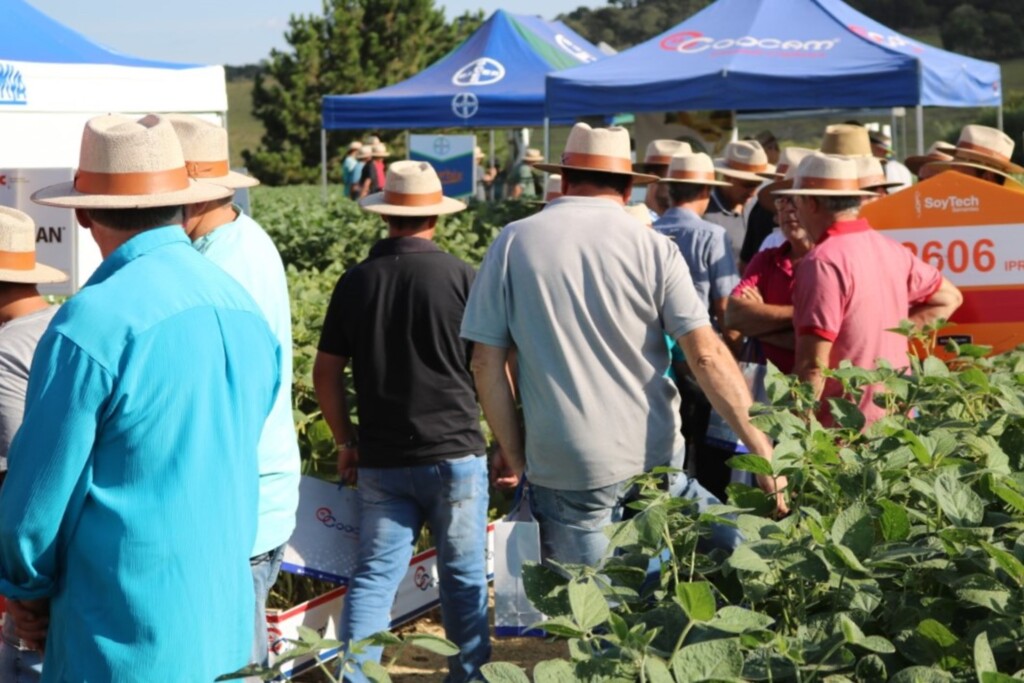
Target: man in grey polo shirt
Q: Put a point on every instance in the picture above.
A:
(585, 294)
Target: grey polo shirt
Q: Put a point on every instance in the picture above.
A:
(705, 248)
(734, 223)
(586, 294)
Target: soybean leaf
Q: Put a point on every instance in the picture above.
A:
(553, 671)
(848, 558)
(937, 632)
(374, 672)
(750, 463)
(657, 671)
(846, 414)
(984, 659)
(383, 639)
(854, 528)
(877, 644)
(921, 674)
(851, 631)
(503, 672)
(959, 503)
(894, 521)
(996, 677)
(934, 367)
(983, 590)
(435, 644)
(746, 559)
(588, 605)
(713, 659)
(734, 619)
(696, 599)
(1010, 564)
(560, 626)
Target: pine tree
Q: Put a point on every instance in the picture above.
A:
(354, 46)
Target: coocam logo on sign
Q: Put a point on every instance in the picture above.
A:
(693, 42)
(482, 71)
(892, 40)
(574, 49)
(12, 86)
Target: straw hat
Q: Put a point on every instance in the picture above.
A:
(532, 156)
(695, 169)
(871, 175)
(411, 188)
(205, 147)
(605, 150)
(984, 148)
(744, 160)
(365, 153)
(372, 140)
(880, 139)
(354, 145)
(379, 151)
(846, 139)
(939, 151)
(552, 188)
(478, 153)
(660, 153)
(826, 175)
(641, 213)
(18, 251)
(128, 164)
(789, 160)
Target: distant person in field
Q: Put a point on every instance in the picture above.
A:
(898, 177)
(24, 316)
(484, 176)
(584, 294)
(418, 455)
(127, 517)
(349, 168)
(371, 180)
(656, 160)
(984, 153)
(856, 284)
(235, 242)
(745, 166)
(760, 235)
(523, 178)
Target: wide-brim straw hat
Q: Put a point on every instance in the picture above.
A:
(939, 166)
(744, 160)
(939, 151)
(659, 155)
(871, 174)
(604, 150)
(379, 151)
(355, 145)
(826, 175)
(364, 153)
(846, 139)
(989, 147)
(18, 251)
(411, 188)
(693, 169)
(129, 164)
(205, 146)
(789, 160)
(533, 156)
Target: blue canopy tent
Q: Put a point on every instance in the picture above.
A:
(775, 55)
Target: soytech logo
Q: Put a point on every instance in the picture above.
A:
(694, 42)
(953, 203)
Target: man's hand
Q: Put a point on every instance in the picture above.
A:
(775, 486)
(502, 474)
(751, 294)
(348, 463)
(31, 621)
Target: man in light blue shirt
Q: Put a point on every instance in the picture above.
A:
(129, 509)
(236, 243)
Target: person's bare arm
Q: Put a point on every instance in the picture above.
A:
(722, 382)
(495, 393)
(812, 354)
(329, 384)
(733, 338)
(783, 340)
(756, 318)
(942, 304)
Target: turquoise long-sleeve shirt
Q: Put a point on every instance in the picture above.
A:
(131, 495)
(247, 253)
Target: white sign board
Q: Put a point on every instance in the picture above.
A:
(452, 158)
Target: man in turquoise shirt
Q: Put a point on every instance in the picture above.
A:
(236, 243)
(129, 509)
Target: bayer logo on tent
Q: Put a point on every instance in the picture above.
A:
(465, 105)
(574, 49)
(482, 71)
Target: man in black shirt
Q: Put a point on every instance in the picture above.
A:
(418, 455)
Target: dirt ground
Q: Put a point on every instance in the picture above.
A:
(419, 666)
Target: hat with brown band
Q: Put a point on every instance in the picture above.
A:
(789, 160)
(605, 150)
(205, 146)
(846, 139)
(871, 175)
(983, 148)
(18, 251)
(659, 154)
(129, 164)
(939, 151)
(826, 175)
(411, 188)
(744, 160)
(695, 169)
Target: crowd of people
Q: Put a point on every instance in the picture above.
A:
(150, 463)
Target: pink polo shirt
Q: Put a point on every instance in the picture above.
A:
(853, 286)
(771, 273)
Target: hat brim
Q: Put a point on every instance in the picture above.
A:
(954, 164)
(887, 185)
(715, 183)
(380, 156)
(638, 178)
(825, 193)
(375, 203)
(233, 180)
(64, 195)
(914, 163)
(40, 275)
(765, 196)
(984, 159)
(738, 175)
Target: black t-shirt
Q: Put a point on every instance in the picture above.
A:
(397, 316)
(760, 224)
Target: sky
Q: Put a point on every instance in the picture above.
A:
(231, 32)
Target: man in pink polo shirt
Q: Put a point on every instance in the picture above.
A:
(855, 284)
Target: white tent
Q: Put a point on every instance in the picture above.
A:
(52, 80)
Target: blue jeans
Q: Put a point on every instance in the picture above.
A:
(265, 568)
(572, 522)
(17, 665)
(451, 496)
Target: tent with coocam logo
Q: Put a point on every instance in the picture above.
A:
(53, 79)
(494, 79)
(775, 55)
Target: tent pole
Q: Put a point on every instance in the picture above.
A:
(894, 131)
(547, 141)
(999, 116)
(490, 190)
(323, 165)
(920, 128)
